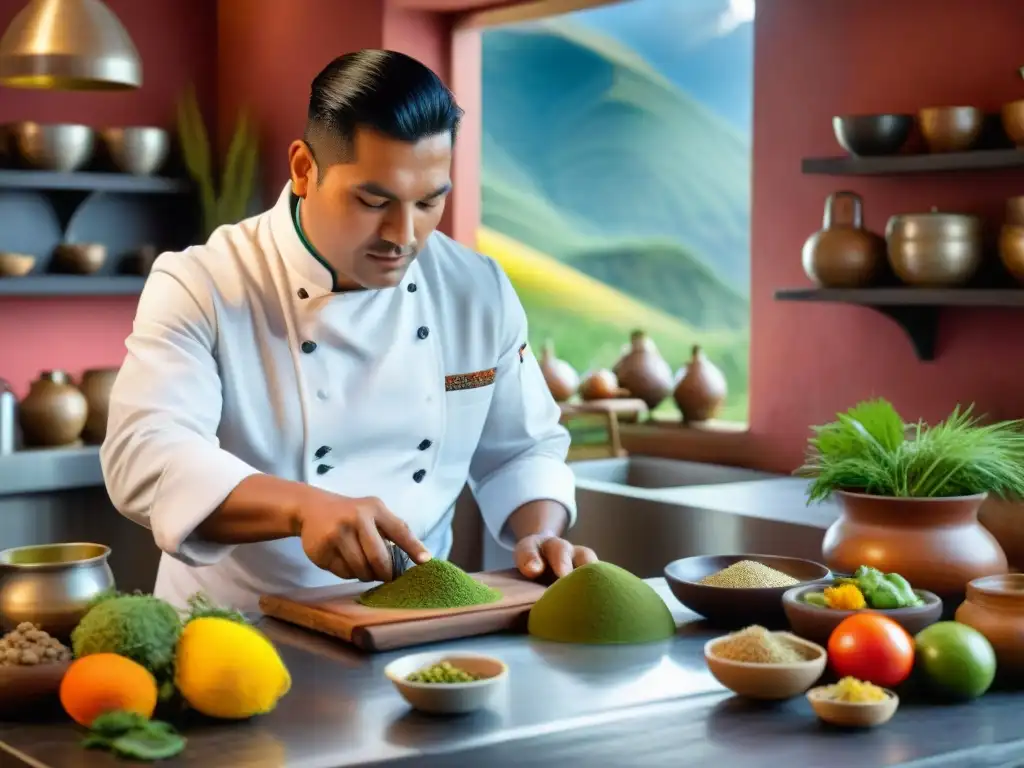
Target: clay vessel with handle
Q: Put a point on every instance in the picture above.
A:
(53, 413)
(843, 254)
(96, 385)
(701, 390)
(936, 544)
(995, 607)
(561, 378)
(644, 372)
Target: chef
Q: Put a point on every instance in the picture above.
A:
(329, 374)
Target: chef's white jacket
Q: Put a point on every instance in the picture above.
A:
(242, 361)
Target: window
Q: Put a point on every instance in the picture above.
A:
(616, 179)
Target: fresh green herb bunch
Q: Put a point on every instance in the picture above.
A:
(869, 449)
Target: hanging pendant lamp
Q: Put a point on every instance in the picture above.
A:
(68, 45)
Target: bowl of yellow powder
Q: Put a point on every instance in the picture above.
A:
(737, 590)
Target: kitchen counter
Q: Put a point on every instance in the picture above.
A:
(596, 706)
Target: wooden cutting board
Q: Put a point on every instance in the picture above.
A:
(334, 611)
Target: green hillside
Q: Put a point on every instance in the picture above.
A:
(581, 128)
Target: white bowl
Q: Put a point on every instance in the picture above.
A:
(449, 698)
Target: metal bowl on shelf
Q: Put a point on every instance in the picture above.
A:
(872, 135)
(138, 150)
(57, 147)
(934, 250)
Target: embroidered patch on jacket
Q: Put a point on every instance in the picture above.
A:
(522, 352)
(459, 381)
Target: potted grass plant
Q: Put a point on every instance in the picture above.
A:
(910, 493)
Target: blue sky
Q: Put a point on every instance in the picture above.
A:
(706, 47)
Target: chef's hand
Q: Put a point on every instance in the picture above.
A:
(346, 536)
(546, 550)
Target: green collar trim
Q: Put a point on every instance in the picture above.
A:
(309, 246)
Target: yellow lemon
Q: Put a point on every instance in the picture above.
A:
(229, 670)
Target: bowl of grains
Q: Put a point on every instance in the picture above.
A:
(32, 664)
(760, 664)
(736, 590)
(448, 683)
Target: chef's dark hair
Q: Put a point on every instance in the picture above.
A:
(386, 91)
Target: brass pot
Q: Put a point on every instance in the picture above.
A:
(934, 249)
(51, 585)
(950, 129)
(1011, 250)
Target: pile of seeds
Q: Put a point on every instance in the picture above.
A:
(28, 645)
(756, 645)
(748, 574)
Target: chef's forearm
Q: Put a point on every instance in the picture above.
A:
(538, 517)
(260, 508)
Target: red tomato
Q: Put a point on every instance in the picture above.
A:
(871, 647)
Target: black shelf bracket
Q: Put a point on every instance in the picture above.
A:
(920, 324)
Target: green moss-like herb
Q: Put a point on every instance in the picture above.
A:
(435, 584)
(134, 737)
(598, 604)
(869, 449)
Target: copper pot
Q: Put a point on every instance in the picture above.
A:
(1013, 121)
(702, 389)
(96, 385)
(53, 413)
(934, 249)
(937, 544)
(644, 372)
(950, 129)
(1011, 250)
(995, 607)
(843, 254)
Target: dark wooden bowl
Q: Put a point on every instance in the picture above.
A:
(25, 690)
(732, 607)
(872, 135)
(815, 623)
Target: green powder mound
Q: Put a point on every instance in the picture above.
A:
(601, 603)
(435, 584)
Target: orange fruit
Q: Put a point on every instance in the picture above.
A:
(105, 682)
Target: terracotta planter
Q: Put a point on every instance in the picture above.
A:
(936, 544)
(1005, 520)
(995, 607)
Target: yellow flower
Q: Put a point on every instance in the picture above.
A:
(229, 670)
(845, 597)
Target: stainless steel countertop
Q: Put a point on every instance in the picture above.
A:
(653, 705)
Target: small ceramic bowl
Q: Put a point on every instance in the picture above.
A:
(816, 623)
(16, 264)
(449, 698)
(849, 714)
(768, 681)
(731, 607)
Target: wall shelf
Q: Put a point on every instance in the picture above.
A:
(915, 310)
(50, 469)
(92, 182)
(72, 285)
(978, 160)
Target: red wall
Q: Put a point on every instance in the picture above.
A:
(177, 40)
(816, 59)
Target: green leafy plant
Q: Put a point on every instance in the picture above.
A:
(228, 201)
(869, 449)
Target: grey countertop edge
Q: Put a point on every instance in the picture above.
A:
(45, 470)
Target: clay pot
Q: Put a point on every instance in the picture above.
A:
(936, 544)
(601, 384)
(995, 607)
(96, 385)
(561, 378)
(1003, 519)
(644, 372)
(79, 258)
(702, 389)
(1011, 250)
(843, 254)
(53, 413)
(950, 129)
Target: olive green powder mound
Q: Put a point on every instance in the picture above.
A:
(435, 584)
(601, 603)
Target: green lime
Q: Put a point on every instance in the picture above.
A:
(957, 660)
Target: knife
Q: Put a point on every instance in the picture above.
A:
(399, 560)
